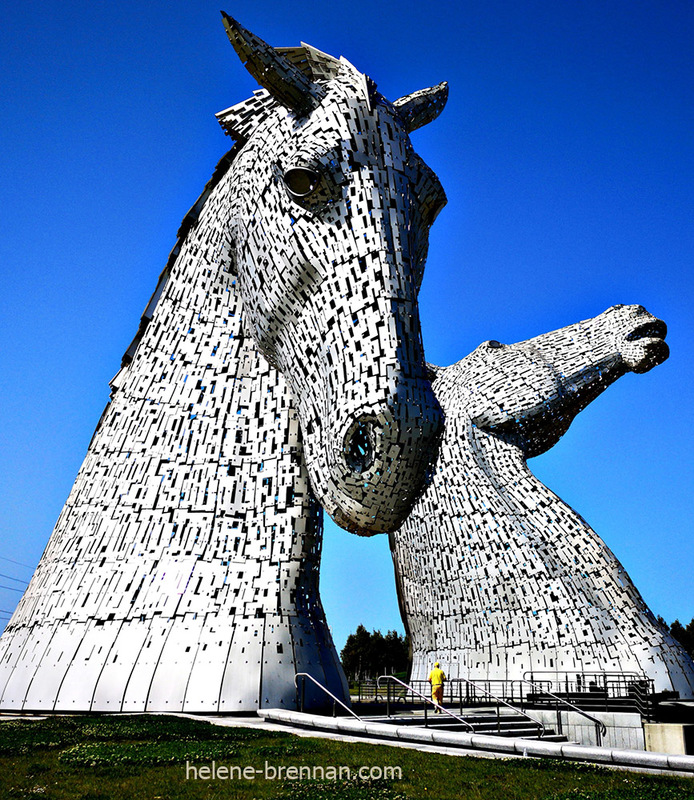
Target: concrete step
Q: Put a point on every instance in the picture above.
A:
(487, 725)
(556, 737)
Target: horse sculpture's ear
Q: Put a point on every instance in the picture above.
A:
(422, 107)
(285, 82)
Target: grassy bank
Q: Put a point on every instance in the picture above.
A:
(168, 758)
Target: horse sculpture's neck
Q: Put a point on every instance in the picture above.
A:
(182, 573)
(187, 554)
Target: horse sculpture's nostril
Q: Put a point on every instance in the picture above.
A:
(359, 446)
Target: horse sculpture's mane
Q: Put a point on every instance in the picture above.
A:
(238, 122)
(188, 222)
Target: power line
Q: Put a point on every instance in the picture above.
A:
(19, 580)
(12, 589)
(5, 611)
(2, 558)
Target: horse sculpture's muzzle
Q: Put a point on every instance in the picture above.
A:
(381, 462)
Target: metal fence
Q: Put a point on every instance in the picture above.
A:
(595, 690)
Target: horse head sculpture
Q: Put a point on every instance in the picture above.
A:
(330, 209)
(496, 575)
(186, 557)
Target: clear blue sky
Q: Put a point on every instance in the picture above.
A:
(566, 150)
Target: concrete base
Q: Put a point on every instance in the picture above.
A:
(669, 737)
(624, 731)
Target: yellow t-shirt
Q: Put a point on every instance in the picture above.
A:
(437, 677)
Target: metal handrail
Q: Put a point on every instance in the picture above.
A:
(362, 688)
(327, 691)
(424, 697)
(600, 727)
(506, 703)
(498, 699)
(640, 697)
(607, 680)
(616, 685)
(603, 673)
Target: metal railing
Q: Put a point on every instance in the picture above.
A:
(640, 693)
(364, 689)
(600, 727)
(612, 688)
(594, 691)
(336, 700)
(471, 697)
(423, 697)
(608, 689)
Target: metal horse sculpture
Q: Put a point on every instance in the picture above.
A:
(182, 573)
(496, 576)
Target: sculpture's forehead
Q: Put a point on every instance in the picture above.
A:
(352, 124)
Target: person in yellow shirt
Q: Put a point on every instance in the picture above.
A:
(436, 678)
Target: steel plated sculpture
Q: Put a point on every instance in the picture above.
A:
(183, 571)
(279, 368)
(496, 575)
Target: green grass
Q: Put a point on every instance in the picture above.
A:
(139, 757)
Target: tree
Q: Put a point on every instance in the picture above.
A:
(356, 654)
(368, 655)
(397, 652)
(684, 635)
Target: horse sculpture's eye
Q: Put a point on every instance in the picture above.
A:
(301, 181)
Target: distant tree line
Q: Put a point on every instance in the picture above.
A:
(368, 655)
(684, 635)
